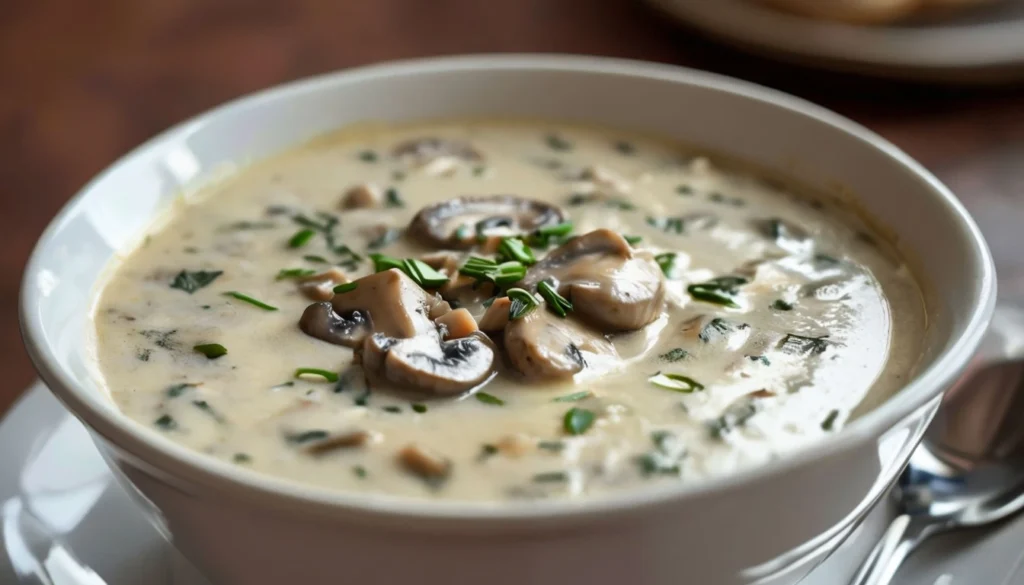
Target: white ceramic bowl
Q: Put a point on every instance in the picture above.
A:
(766, 525)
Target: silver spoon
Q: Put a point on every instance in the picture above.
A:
(969, 471)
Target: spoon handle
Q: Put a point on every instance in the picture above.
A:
(892, 549)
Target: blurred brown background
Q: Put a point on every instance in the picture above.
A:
(82, 82)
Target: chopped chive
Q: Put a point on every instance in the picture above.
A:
(363, 399)
(368, 156)
(516, 249)
(359, 471)
(666, 261)
(393, 409)
(574, 397)
(522, 303)
(242, 458)
(489, 399)
(781, 305)
(800, 345)
(420, 408)
(178, 389)
(551, 477)
(246, 298)
(325, 374)
(719, 291)
(760, 358)
(675, 382)
(392, 198)
(556, 142)
(668, 224)
(307, 436)
(717, 327)
(212, 351)
(190, 282)
(347, 287)
(486, 451)
(720, 198)
(286, 273)
(315, 259)
(633, 240)
(483, 269)
(830, 420)
(558, 229)
(166, 422)
(553, 446)
(205, 407)
(684, 190)
(577, 420)
(424, 274)
(382, 262)
(558, 304)
(301, 238)
(674, 355)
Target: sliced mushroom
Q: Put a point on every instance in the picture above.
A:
(458, 223)
(427, 465)
(362, 196)
(320, 287)
(337, 442)
(457, 324)
(611, 285)
(438, 307)
(427, 363)
(320, 320)
(397, 306)
(541, 345)
(421, 151)
(496, 316)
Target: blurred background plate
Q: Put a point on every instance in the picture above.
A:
(983, 45)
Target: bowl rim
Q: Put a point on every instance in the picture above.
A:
(154, 451)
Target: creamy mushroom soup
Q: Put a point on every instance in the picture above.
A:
(503, 311)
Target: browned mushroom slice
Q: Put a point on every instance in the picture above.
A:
(496, 316)
(319, 320)
(427, 465)
(426, 363)
(611, 285)
(320, 287)
(457, 324)
(458, 223)
(361, 197)
(543, 346)
(421, 151)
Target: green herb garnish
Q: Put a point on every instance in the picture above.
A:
(676, 383)
(489, 399)
(577, 420)
(368, 156)
(205, 407)
(551, 477)
(286, 273)
(760, 358)
(487, 451)
(736, 415)
(666, 261)
(543, 237)
(633, 240)
(668, 224)
(307, 436)
(800, 345)
(423, 274)
(325, 374)
(483, 269)
(684, 190)
(718, 326)
(574, 397)
(190, 282)
(392, 198)
(212, 351)
(359, 471)
(166, 422)
(420, 408)
(393, 409)
(246, 298)
(242, 458)
(720, 198)
(553, 446)
(178, 389)
(347, 287)
(674, 355)
(718, 291)
(301, 238)
(830, 420)
(558, 304)
(315, 259)
(781, 305)
(556, 142)
(516, 249)
(523, 302)
(382, 262)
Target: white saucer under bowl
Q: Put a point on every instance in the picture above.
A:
(54, 481)
(983, 45)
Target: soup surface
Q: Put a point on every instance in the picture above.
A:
(498, 311)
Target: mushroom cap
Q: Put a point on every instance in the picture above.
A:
(611, 286)
(426, 363)
(541, 345)
(438, 225)
(397, 306)
(320, 320)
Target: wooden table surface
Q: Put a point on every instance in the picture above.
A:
(83, 82)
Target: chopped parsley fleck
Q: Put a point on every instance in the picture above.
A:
(668, 224)
(553, 446)
(676, 383)
(674, 355)
(799, 345)
(781, 305)
(551, 477)
(393, 409)
(242, 458)
(720, 198)
(578, 420)
(359, 471)
(392, 198)
(301, 238)
(489, 399)
(574, 397)
(632, 240)
(558, 304)
(246, 298)
(717, 327)
(760, 358)
(479, 170)
(325, 374)
(248, 225)
(315, 259)
(286, 273)
(363, 399)
(420, 408)
(143, 355)
(205, 407)
(346, 287)
(556, 142)
(190, 282)
(523, 302)
(718, 291)
(487, 451)
(166, 422)
(212, 351)
(736, 415)
(684, 190)
(666, 261)
(830, 420)
(307, 436)
(368, 156)
(517, 250)
(178, 389)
